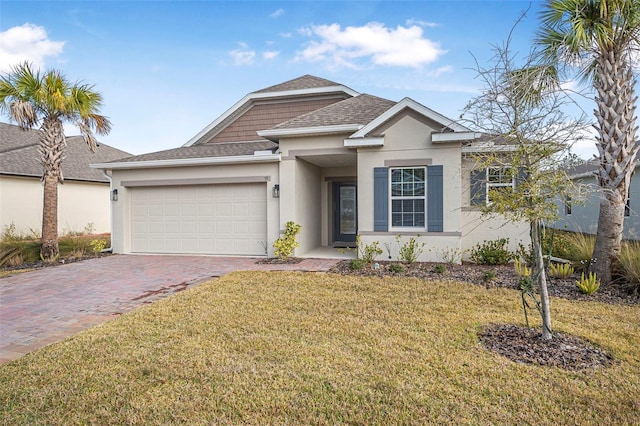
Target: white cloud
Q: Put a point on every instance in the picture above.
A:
(243, 55)
(26, 43)
(420, 23)
(353, 47)
(270, 54)
(277, 13)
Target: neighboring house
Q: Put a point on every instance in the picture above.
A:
(580, 213)
(315, 152)
(83, 198)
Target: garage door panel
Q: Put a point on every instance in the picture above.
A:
(206, 219)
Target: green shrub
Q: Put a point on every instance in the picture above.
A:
(561, 270)
(13, 253)
(285, 245)
(409, 251)
(629, 266)
(356, 264)
(368, 252)
(492, 252)
(588, 285)
(489, 276)
(98, 245)
(396, 268)
(580, 249)
(439, 269)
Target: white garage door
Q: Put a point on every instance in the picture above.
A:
(200, 219)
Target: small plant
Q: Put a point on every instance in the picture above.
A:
(439, 269)
(367, 252)
(396, 268)
(285, 245)
(356, 264)
(522, 270)
(588, 285)
(492, 252)
(410, 251)
(489, 276)
(10, 234)
(561, 270)
(98, 245)
(450, 255)
(89, 228)
(265, 245)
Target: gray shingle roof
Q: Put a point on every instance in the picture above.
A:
(207, 150)
(300, 83)
(19, 155)
(361, 109)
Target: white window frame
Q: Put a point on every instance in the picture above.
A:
(501, 184)
(393, 198)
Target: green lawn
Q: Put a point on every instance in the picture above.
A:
(295, 348)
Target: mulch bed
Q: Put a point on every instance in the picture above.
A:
(519, 344)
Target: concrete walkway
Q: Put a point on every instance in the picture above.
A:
(47, 305)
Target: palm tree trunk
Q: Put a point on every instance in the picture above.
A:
(617, 148)
(541, 279)
(608, 239)
(51, 146)
(49, 250)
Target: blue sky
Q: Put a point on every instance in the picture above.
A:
(166, 69)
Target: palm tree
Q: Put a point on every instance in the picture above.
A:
(599, 37)
(48, 100)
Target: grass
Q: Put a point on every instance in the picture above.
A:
(294, 348)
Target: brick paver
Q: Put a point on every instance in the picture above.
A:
(45, 306)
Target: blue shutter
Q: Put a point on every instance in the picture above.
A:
(381, 199)
(435, 204)
(478, 187)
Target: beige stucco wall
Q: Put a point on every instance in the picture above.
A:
(79, 204)
(229, 173)
(477, 228)
(409, 138)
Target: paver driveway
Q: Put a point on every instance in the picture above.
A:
(45, 306)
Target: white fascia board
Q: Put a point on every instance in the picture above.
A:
(303, 131)
(268, 95)
(454, 136)
(364, 142)
(488, 147)
(186, 162)
(419, 108)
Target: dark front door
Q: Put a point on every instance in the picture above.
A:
(345, 207)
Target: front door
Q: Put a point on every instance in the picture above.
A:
(345, 219)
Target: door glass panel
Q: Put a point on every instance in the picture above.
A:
(348, 210)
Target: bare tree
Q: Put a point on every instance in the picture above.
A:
(523, 120)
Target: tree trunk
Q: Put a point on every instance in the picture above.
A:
(541, 279)
(52, 143)
(608, 239)
(49, 250)
(618, 150)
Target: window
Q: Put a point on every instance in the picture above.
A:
(499, 179)
(567, 205)
(408, 197)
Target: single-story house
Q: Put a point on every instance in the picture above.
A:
(318, 153)
(580, 213)
(83, 198)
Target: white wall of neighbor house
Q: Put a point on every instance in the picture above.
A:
(478, 228)
(81, 205)
(127, 180)
(407, 139)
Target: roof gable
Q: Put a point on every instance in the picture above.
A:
(19, 155)
(303, 89)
